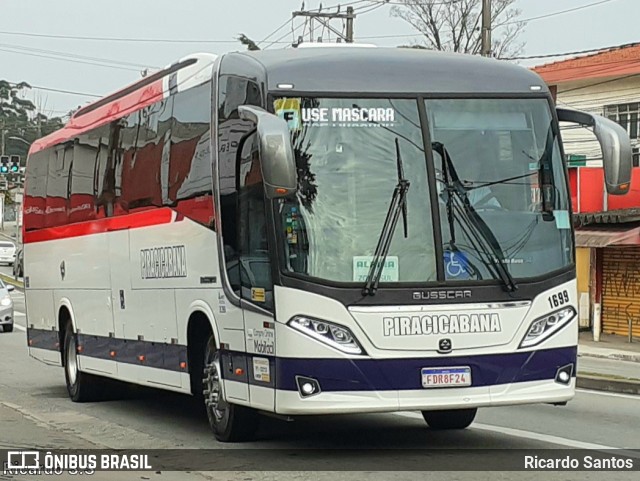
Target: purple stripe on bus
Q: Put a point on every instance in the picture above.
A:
(404, 374)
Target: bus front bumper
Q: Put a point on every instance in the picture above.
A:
(376, 385)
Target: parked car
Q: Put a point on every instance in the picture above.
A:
(6, 307)
(18, 265)
(7, 252)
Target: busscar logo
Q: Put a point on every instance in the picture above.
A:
(442, 295)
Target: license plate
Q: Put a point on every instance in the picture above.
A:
(446, 376)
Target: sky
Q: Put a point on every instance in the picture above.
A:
(214, 24)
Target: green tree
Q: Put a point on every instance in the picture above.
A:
(455, 26)
(19, 119)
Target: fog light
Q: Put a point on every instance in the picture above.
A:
(563, 376)
(307, 386)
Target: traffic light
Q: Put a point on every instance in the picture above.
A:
(4, 165)
(14, 164)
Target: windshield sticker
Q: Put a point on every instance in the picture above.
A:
(350, 116)
(296, 116)
(289, 110)
(361, 265)
(562, 219)
(456, 265)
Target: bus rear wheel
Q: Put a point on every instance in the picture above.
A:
(82, 387)
(450, 419)
(229, 422)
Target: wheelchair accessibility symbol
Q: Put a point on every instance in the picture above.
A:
(456, 265)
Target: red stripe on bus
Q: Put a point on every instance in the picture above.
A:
(100, 226)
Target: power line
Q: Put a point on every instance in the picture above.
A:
(292, 32)
(69, 92)
(70, 60)
(50, 89)
(600, 83)
(274, 32)
(369, 8)
(553, 14)
(77, 56)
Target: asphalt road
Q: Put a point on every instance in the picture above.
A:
(35, 412)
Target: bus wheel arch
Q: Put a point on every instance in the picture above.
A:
(233, 422)
(65, 321)
(199, 329)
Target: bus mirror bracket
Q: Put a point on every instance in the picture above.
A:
(276, 151)
(615, 144)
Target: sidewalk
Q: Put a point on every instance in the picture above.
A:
(613, 364)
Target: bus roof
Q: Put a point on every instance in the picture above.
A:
(392, 70)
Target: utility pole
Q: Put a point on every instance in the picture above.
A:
(486, 28)
(325, 18)
(350, 18)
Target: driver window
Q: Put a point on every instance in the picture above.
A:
(255, 280)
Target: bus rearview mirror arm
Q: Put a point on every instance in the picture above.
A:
(276, 151)
(615, 144)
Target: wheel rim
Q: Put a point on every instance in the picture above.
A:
(72, 361)
(213, 390)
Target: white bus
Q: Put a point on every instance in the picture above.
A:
(313, 231)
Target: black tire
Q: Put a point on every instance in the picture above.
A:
(82, 387)
(450, 419)
(7, 328)
(229, 422)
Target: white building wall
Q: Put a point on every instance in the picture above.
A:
(592, 96)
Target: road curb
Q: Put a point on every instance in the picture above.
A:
(10, 280)
(617, 356)
(596, 383)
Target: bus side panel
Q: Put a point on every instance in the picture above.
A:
(91, 311)
(42, 330)
(78, 262)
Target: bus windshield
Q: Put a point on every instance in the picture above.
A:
(497, 176)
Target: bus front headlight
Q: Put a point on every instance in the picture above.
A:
(334, 335)
(544, 327)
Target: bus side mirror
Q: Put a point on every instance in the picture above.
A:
(615, 144)
(279, 171)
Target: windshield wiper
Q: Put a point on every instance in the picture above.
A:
(398, 206)
(455, 187)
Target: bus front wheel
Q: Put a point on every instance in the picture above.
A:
(228, 421)
(450, 419)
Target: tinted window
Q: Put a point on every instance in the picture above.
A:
(241, 194)
(84, 172)
(58, 184)
(187, 184)
(145, 143)
(36, 190)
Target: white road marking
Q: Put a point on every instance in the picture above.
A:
(635, 397)
(18, 313)
(19, 327)
(520, 433)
